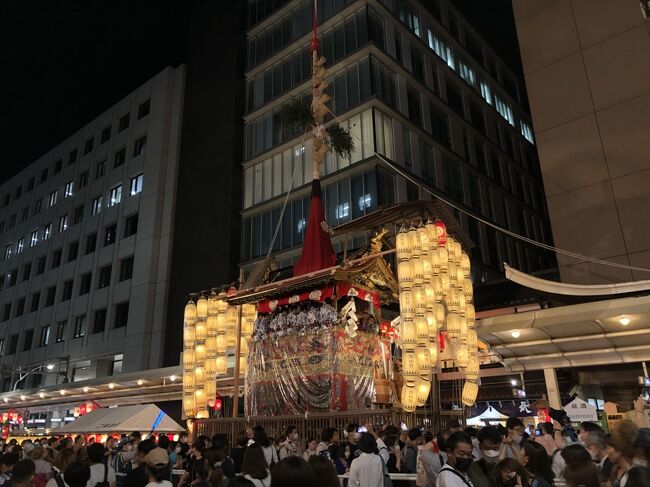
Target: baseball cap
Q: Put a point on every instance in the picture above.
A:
(157, 458)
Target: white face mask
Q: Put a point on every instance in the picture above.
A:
(490, 453)
(518, 439)
(177, 449)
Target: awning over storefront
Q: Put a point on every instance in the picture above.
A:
(586, 334)
(143, 418)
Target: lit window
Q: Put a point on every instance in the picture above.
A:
(115, 196)
(343, 210)
(136, 184)
(19, 245)
(301, 225)
(33, 239)
(69, 189)
(441, 49)
(365, 201)
(53, 197)
(504, 110)
(7, 251)
(96, 206)
(47, 231)
(486, 92)
(63, 223)
(467, 73)
(527, 132)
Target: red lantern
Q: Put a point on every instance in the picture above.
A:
(14, 416)
(231, 291)
(5, 431)
(19, 418)
(211, 403)
(89, 407)
(217, 404)
(82, 409)
(5, 417)
(441, 232)
(384, 327)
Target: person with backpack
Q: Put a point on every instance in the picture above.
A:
(459, 460)
(122, 461)
(101, 474)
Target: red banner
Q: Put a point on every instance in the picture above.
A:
(345, 289)
(269, 305)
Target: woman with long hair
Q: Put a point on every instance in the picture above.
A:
(254, 466)
(293, 472)
(582, 474)
(324, 472)
(511, 473)
(537, 462)
(620, 450)
(270, 453)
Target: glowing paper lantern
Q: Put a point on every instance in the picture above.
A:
(213, 307)
(202, 307)
(242, 365)
(441, 315)
(211, 346)
(409, 398)
(441, 232)
(423, 388)
(462, 355)
(472, 339)
(221, 343)
(200, 353)
(402, 245)
(419, 299)
(473, 368)
(221, 322)
(404, 275)
(409, 365)
(468, 289)
(414, 242)
(453, 325)
(201, 331)
(189, 358)
(424, 360)
(433, 353)
(212, 325)
(409, 333)
(199, 375)
(189, 336)
(188, 406)
(465, 265)
(418, 269)
(189, 315)
(210, 368)
(422, 328)
(222, 365)
(470, 393)
(433, 236)
(406, 304)
(443, 259)
(470, 315)
(433, 323)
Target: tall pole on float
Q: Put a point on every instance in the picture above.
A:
(318, 100)
(235, 381)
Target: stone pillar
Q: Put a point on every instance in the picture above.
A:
(552, 389)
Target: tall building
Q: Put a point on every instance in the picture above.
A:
(86, 232)
(412, 81)
(587, 70)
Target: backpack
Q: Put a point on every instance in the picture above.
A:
(104, 483)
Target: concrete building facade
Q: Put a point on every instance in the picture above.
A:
(587, 70)
(86, 233)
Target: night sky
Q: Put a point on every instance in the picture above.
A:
(65, 61)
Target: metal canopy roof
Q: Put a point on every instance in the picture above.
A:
(569, 336)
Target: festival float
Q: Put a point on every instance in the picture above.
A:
(368, 332)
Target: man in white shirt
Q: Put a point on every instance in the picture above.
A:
(99, 471)
(459, 460)
(367, 470)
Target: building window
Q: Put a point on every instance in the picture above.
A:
(73, 251)
(99, 169)
(104, 277)
(121, 315)
(45, 336)
(27, 271)
(126, 269)
(47, 231)
(120, 157)
(96, 206)
(13, 344)
(8, 249)
(56, 258)
(136, 184)
(415, 112)
(12, 221)
(29, 340)
(60, 331)
(69, 189)
(25, 214)
(43, 175)
(486, 92)
(19, 245)
(19, 191)
(51, 295)
(78, 215)
(6, 312)
(36, 299)
(52, 199)
(115, 195)
(37, 206)
(72, 158)
(504, 110)
(143, 109)
(2, 352)
(116, 366)
(57, 166)
(91, 243)
(67, 290)
(41, 265)
(131, 225)
(83, 179)
(110, 233)
(13, 277)
(527, 132)
(63, 223)
(99, 325)
(140, 144)
(124, 122)
(467, 73)
(84, 286)
(106, 134)
(88, 146)
(79, 326)
(441, 49)
(439, 125)
(30, 183)
(20, 307)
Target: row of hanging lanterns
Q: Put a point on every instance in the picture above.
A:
(436, 295)
(209, 331)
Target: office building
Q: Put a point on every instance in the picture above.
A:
(86, 233)
(587, 70)
(413, 81)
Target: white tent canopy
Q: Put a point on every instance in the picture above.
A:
(143, 418)
(488, 416)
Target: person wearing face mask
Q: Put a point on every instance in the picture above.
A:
(483, 470)
(290, 447)
(511, 473)
(620, 451)
(351, 441)
(538, 463)
(545, 438)
(514, 437)
(596, 445)
(459, 461)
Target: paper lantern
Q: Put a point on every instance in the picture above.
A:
(422, 388)
(221, 322)
(189, 315)
(249, 311)
(222, 304)
(472, 339)
(212, 325)
(213, 308)
(452, 300)
(211, 368)
(221, 343)
(222, 365)
(432, 322)
(242, 365)
(211, 346)
(406, 304)
(200, 353)
(202, 307)
(189, 336)
(243, 346)
(470, 315)
(443, 258)
(418, 270)
(436, 282)
(189, 358)
(452, 272)
(189, 384)
(463, 327)
(462, 355)
(199, 375)
(468, 289)
(402, 245)
(414, 242)
(409, 332)
(451, 248)
(75, 412)
(409, 398)
(424, 360)
(441, 315)
(441, 232)
(433, 353)
(422, 328)
(434, 258)
(188, 406)
(433, 235)
(465, 265)
(427, 271)
(470, 393)
(419, 299)
(211, 388)
(409, 365)
(444, 280)
(231, 337)
(202, 413)
(453, 325)
(404, 275)
(429, 296)
(473, 368)
(201, 331)
(461, 302)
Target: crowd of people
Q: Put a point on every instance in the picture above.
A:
(549, 454)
